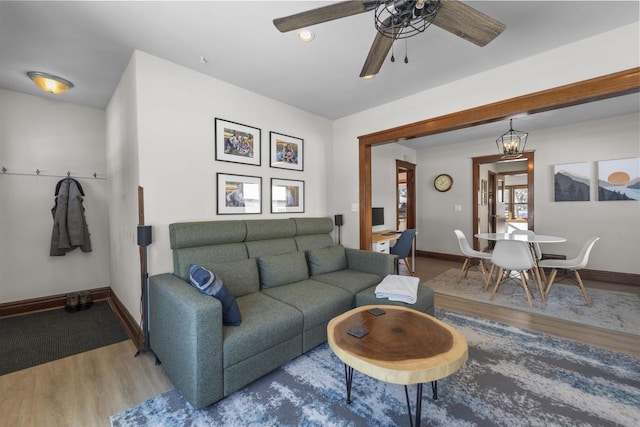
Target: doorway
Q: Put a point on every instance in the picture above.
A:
(405, 195)
(499, 206)
(585, 91)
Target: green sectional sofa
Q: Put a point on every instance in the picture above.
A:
(288, 278)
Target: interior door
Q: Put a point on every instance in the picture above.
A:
(499, 212)
(405, 195)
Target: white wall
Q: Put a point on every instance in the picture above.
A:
(122, 165)
(177, 158)
(617, 223)
(603, 54)
(383, 179)
(174, 117)
(56, 138)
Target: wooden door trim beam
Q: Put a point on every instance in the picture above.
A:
(599, 88)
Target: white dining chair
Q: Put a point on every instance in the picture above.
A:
(572, 265)
(535, 249)
(470, 255)
(513, 256)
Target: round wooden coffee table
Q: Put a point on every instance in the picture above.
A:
(402, 346)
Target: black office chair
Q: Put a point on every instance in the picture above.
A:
(402, 248)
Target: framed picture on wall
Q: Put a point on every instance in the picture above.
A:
(239, 194)
(237, 143)
(286, 152)
(619, 179)
(572, 182)
(287, 195)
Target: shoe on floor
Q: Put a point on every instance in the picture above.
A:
(73, 302)
(85, 300)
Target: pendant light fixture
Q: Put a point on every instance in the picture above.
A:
(511, 144)
(49, 83)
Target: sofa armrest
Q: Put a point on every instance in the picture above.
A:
(186, 335)
(369, 262)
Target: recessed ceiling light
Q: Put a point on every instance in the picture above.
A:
(306, 35)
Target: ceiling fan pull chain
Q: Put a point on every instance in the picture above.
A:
(393, 58)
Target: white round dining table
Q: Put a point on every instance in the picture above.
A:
(535, 238)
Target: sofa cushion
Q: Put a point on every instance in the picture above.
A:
(351, 280)
(241, 277)
(262, 248)
(267, 323)
(317, 301)
(269, 229)
(207, 233)
(307, 226)
(314, 241)
(208, 283)
(327, 260)
(278, 270)
(201, 255)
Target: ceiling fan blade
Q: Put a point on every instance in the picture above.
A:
(468, 23)
(378, 52)
(323, 14)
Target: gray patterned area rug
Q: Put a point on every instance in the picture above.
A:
(513, 377)
(618, 311)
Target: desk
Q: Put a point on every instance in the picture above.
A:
(380, 241)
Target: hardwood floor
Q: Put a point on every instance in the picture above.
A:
(85, 389)
(427, 268)
(80, 390)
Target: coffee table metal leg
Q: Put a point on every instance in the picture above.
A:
(434, 389)
(406, 394)
(418, 405)
(348, 374)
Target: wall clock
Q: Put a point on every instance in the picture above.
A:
(443, 182)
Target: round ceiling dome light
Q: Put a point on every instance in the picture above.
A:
(306, 35)
(49, 83)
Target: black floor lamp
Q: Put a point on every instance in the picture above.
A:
(144, 240)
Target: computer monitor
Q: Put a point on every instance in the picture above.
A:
(377, 216)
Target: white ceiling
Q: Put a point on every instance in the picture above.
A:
(91, 43)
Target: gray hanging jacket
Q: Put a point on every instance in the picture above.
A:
(70, 228)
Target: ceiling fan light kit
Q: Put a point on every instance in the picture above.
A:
(408, 18)
(397, 19)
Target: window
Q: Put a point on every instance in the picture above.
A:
(516, 201)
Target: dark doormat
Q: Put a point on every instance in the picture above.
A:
(32, 339)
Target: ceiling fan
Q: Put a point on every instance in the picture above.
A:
(397, 19)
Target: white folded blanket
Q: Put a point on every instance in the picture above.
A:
(399, 288)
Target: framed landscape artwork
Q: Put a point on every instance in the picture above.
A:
(237, 143)
(572, 182)
(287, 196)
(619, 179)
(239, 194)
(286, 152)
